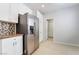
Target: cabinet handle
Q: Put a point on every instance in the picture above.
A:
(13, 43)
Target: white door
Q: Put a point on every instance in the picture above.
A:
(19, 45)
(4, 11)
(13, 12)
(12, 46)
(8, 46)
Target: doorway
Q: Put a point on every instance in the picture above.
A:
(50, 28)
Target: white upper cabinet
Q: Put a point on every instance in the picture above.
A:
(9, 11)
(4, 11)
(13, 12)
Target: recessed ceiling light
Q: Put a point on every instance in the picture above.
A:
(43, 6)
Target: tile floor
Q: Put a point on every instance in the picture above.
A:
(50, 48)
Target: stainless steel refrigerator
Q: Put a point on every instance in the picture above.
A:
(29, 26)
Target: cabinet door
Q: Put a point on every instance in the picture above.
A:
(12, 46)
(14, 12)
(19, 45)
(8, 46)
(4, 11)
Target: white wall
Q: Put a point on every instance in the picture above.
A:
(66, 25)
(40, 16)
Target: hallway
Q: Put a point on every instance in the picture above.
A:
(50, 48)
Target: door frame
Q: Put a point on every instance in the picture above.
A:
(47, 27)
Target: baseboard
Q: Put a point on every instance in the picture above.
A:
(70, 44)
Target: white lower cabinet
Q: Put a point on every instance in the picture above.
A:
(19, 45)
(8, 46)
(12, 46)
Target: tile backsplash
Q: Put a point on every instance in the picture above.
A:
(7, 29)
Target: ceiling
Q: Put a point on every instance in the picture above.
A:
(49, 7)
